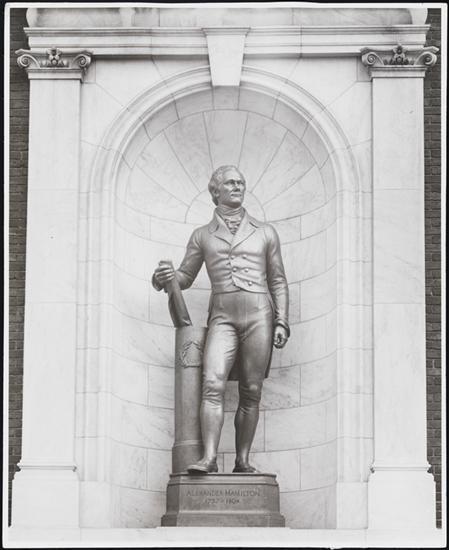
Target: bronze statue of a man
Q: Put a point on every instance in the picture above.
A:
(248, 312)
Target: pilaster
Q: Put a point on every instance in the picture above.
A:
(401, 492)
(46, 490)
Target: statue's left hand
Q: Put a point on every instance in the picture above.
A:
(280, 336)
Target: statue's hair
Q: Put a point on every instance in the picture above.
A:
(217, 178)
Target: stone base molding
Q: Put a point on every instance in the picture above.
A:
(399, 498)
(46, 496)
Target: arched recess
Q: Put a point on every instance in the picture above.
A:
(315, 428)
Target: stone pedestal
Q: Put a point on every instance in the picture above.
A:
(223, 500)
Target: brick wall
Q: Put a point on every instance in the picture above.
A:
(18, 167)
(432, 129)
(19, 98)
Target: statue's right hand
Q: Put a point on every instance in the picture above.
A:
(164, 274)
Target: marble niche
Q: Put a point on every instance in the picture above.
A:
(306, 114)
(160, 195)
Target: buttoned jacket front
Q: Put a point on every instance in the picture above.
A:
(250, 260)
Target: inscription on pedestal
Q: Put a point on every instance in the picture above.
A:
(209, 497)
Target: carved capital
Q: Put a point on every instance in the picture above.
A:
(399, 61)
(54, 63)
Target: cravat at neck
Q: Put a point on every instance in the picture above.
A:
(227, 212)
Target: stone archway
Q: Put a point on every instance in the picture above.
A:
(151, 175)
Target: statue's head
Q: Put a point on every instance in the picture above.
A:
(227, 186)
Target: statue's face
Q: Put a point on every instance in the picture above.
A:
(231, 190)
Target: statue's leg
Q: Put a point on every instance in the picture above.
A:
(219, 356)
(255, 353)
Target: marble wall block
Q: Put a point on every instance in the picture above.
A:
(95, 511)
(363, 155)
(303, 195)
(294, 306)
(143, 342)
(226, 97)
(142, 426)
(326, 78)
(54, 245)
(261, 141)
(254, 102)
(291, 161)
(355, 370)
(319, 295)
(400, 348)
(129, 380)
(352, 294)
(87, 378)
(194, 103)
(309, 509)
(169, 67)
(331, 408)
(225, 131)
(282, 66)
(307, 343)
(315, 145)
(319, 219)
(290, 119)
(355, 415)
(115, 76)
(160, 161)
(319, 466)
(158, 464)
(318, 380)
(86, 421)
(131, 295)
(48, 432)
(331, 245)
(358, 322)
(146, 195)
(128, 465)
(295, 428)
(189, 140)
(305, 259)
(95, 99)
(137, 509)
(357, 100)
(86, 457)
(161, 387)
(131, 220)
(403, 119)
(88, 152)
(140, 140)
(328, 177)
(281, 389)
(350, 450)
(399, 262)
(289, 230)
(170, 232)
(161, 118)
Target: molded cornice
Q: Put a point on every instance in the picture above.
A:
(259, 41)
